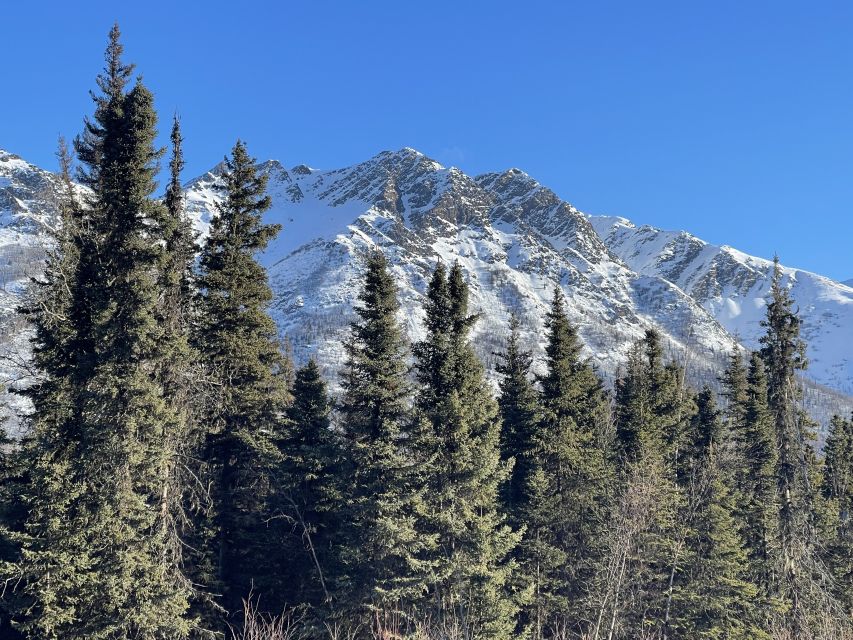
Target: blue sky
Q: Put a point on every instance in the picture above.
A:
(733, 120)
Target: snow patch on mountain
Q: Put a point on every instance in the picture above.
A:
(733, 287)
(514, 239)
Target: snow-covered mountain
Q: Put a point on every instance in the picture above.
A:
(733, 286)
(28, 201)
(514, 238)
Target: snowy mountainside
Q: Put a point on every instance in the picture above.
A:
(733, 286)
(513, 237)
(28, 201)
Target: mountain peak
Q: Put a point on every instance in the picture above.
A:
(9, 162)
(271, 165)
(513, 236)
(508, 185)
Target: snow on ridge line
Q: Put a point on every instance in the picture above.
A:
(733, 286)
(403, 199)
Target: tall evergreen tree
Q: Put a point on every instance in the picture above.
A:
(240, 351)
(178, 235)
(179, 369)
(471, 565)
(653, 411)
(783, 352)
(653, 403)
(761, 502)
(49, 447)
(525, 496)
(12, 479)
(837, 488)
(735, 385)
(519, 406)
(714, 597)
(308, 491)
(93, 559)
(379, 549)
(575, 415)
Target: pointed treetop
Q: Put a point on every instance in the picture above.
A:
(708, 428)
(116, 73)
(458, 290)
(782, 343)
(174, 193)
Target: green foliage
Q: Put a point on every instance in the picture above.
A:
(524, 495)
(800, 575)
(760, 509)
(93, 554)
(570, 494)
(13, 476)
(837, 489)
(653, 403)
(308, 491)
(653, 411)
(380, 565)
(238, 347)
(461, 447)
(168, 471)
(520, 415)
(713, 596)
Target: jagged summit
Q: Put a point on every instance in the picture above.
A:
(514, 238)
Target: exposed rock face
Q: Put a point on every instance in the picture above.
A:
(733, 286)
(515, 239)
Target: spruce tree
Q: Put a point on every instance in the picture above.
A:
(524, 495)
(380, 567)
(635, 429)
(653, 405)
(575, 417)
(178, 235)
(519, 407)
(49, 446)
(713, 597)
(735, 385)
(179, 370)
(736, 393)
(308, 490)
(761, 501)
(648, 538)
(783, 352)
(462, 446)
(93, 559)
(238, 347)
(837, 488)
(12, 480)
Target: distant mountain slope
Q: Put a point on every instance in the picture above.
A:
(733, 286)
(513, 237)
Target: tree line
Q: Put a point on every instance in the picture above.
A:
(179, 478)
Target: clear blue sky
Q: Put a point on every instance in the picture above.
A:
(733, 120)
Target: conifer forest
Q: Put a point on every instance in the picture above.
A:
(179, 477)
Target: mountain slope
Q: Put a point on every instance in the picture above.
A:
(28, 202)
(513, 237)
(733, 286)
